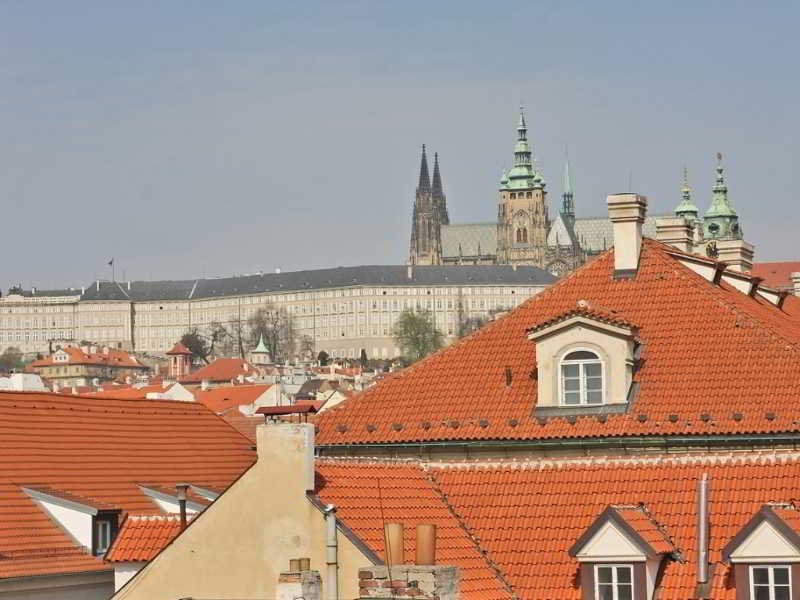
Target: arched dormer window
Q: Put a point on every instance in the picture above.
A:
(581, 378)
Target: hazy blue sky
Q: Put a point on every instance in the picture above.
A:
(211, 138)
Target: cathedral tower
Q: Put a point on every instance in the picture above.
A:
(429, 207)
(720, 220)
(522, 221)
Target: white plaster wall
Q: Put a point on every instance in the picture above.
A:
(124, 571)
(76, 523)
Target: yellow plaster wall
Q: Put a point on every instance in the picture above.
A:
(240, 544)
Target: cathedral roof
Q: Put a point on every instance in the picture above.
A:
(468, 237)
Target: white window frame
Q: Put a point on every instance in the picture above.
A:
(581, 377)
(614, 581)
(771, 584)
(103, 528)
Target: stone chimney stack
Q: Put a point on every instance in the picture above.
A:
(299, 582)
(409, 582)
(675, 231)
(737, 254)
(626, 213)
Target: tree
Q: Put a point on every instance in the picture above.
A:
(363, 360)
(219, 339)
(416, 335)
(11, 359)
(307, 347)
(470, 324)
(277, 328)
(323, 358)
(197, 344)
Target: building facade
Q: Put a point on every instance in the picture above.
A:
(340, 310)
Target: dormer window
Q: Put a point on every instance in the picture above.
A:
(613, 582)
(102, 535)
(770, 582)
(581, 378)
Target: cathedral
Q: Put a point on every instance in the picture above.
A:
(524, 233)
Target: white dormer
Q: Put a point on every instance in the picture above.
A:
(60, 356)
(584, 360)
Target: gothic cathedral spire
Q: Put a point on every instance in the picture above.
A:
(426, 221)
(567, 199)
(424, 185)
(439, 199)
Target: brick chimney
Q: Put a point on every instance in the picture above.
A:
(409, 582)
(299, 582)
(626, 213)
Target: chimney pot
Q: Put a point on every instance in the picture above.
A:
(426, 544)
(626, 213)
(675, 231)
(305, 564)
(795, 279)
(294, 564)
(393, 533)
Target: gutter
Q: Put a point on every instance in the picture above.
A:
(766, 439)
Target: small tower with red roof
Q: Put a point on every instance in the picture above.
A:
(180, 361)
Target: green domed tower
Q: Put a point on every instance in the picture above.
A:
(720, 220)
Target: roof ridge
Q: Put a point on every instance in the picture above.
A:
(484, 554)
(703, 284)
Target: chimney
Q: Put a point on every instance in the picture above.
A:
(410, 272)
(205, 385)
(675, 231)
(626, 213)
(795, 280)
(286, 452)
(129, 285)
(299, 582)
(409, 582)
(182, 489)
(737, 254)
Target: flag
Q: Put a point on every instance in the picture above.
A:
(111, 263)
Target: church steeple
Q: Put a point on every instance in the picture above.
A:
(567, 201)
(721, 220)
(424, 185)
(686, 208)
(439, 199)
(522, 175)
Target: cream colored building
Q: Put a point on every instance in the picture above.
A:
(342, 310)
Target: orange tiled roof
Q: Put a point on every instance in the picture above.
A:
(129, 392)
(246, 425)
(367, 495)
(141, 537)
(111, 358)
(643, 524)
(224, 398)
(179, 348)
(776, 274)
(100, 451)
(713, 361)
(222, 369)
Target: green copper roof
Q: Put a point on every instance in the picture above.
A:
(522, 175)
(720, 207)
(686, 206)
(261, 347)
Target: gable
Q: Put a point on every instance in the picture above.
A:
(765, 543)
(610, 544)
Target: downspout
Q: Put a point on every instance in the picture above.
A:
(702, 530)
(331, 560)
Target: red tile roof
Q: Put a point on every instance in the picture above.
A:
(222, 369)
(142, 537)
(110, 357)
(223, 398)
(179, 348)
(367, 495)
(527, 515)
(100, 451)
(645, 526)
(777, 274)
(242, 423)
(714, 359)
(129, 393)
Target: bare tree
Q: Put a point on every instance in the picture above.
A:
(416, 334)
(219, 339)
(197, 344)
(10, 359)
(276, 326)
(307, 347)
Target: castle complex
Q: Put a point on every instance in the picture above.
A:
(524, 233)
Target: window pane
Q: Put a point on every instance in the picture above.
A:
(782, 593)
(762, 593)
(780, 575)
(761, 575)
(623, 574)
(570, 370)
(592, 369)
(625, 592)
(606, 592)
(581, 355)
(604, 574)
(594, 383)
(572, 385)
(572, 397)
(595, 397)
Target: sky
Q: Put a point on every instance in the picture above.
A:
(200, 138)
